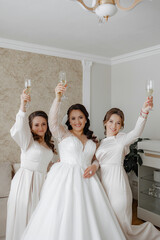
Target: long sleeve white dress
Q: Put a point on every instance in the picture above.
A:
(111, 154)
(72, 207)
(27, 182)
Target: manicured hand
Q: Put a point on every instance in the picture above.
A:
(90, 171)
(24, 99)
(59, 90)
(148, 104)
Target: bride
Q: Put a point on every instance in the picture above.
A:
(73, 204)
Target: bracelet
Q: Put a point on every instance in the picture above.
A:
(144, 112)
(143, 116)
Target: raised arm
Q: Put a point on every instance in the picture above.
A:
(57, 129)
(20, 131)
(137, 131)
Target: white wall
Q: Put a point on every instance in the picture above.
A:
(128, 91)
(100, 96)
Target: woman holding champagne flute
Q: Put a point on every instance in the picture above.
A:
(34, 138)
(111, 154)
(73, 204)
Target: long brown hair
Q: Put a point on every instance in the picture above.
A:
(48, 134)
(89, 134)
(116, 111)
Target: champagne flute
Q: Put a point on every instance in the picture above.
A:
(27, 85)
(149, 88)
(63, 80)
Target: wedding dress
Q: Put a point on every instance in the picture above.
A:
(72, 207)
(111, 154)
(28, 181)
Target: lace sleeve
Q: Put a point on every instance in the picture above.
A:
(58, 130)
(20, 131)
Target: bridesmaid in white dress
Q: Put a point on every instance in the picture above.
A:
(34, 139)
(73, 204)
(111, 154)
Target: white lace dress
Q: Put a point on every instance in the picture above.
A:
(72, 207)
(111, 154)
(27, 182)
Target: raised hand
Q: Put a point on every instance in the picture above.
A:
(148, 104)
(59, 90)
(24, 99)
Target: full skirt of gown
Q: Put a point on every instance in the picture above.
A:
(72, 207)
(115, 182)
(23, 198)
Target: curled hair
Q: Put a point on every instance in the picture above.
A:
(86, 131)
(116, 111)
(48, 134)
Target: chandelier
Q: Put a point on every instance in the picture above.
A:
(106, 8)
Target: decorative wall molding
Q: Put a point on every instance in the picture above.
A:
(136, 55)
(86, 88)
(57, 52)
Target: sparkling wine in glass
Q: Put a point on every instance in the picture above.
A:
(27, 85)
(149, 88)
(63, 80)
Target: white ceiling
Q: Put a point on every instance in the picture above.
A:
(66, 25)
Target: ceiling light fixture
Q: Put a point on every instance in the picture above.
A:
(106, 8)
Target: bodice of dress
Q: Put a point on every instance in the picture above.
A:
(72, 151)
(112, 150)
(34, 156)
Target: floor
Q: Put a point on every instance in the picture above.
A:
(135, 220)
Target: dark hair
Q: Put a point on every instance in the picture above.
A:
(116, 111)
(48, 134)
(86, 131)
